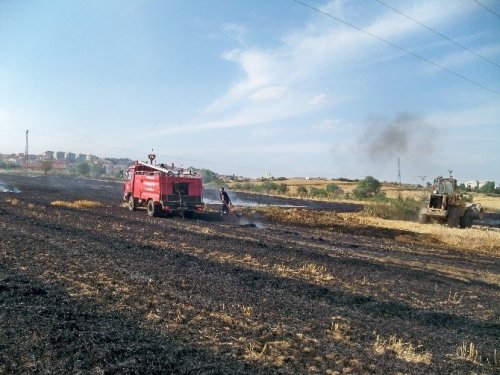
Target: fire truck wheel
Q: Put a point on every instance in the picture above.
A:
(131, 203)
(153, 209)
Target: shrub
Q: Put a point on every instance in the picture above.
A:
(395, 209)
(282, 188)
(367, 188)
(302, 190)
(378, 209)
(269, 186)
(318, 192)
(381, 197)
(333, 189)
(407, 208)
(247, 186)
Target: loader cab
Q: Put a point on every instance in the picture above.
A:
(443, 193)
(444, 186)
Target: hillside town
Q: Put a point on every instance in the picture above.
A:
(87, 164)
(66, 162)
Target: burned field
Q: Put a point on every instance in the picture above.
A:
(106, 290)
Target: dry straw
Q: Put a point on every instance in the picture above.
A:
(79, 204)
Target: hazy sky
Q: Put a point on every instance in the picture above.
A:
(256, 87)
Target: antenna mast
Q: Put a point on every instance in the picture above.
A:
(26, 157)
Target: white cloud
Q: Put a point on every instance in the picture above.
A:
(250, 115)
(461, 57)
(290, 76)
(485, 115)
(318, 99)
(236, 32)
(8, 118)
(282, 148)
(266, 132)
(268, 93)
(331, 125)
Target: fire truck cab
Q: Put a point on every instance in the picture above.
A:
(162, 190)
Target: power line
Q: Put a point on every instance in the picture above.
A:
(438, 33)
(399, 47)
(485, 7)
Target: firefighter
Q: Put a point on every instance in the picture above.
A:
(226, 202)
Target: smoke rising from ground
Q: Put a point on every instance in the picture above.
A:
(407, 136)
(4, 188)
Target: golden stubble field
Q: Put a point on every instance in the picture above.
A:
(475, 240)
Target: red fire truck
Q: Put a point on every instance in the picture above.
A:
(163, 189)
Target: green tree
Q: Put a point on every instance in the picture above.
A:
(97, 170)
(82, 168)
(367, 188)
(488, 188)
(4, 165)
(210, 177)
(46, 166)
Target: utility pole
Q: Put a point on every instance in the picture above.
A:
(26, 157)
(423, 178)
(399, 172)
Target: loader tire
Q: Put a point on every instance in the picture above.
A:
(153, 209)
(453, 217)
(423, 218)
(132, 204)
(466, 220)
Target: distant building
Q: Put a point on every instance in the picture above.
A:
(108, 167)
(59, 165)
(472, 184)
(13, 159)
(92, 158)
(49, 154)
(119, 168)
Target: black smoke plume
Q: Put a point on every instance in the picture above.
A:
(407, 135)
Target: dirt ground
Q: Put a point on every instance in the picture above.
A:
(106, 290)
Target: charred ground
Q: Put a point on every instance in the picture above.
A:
(106, 290)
